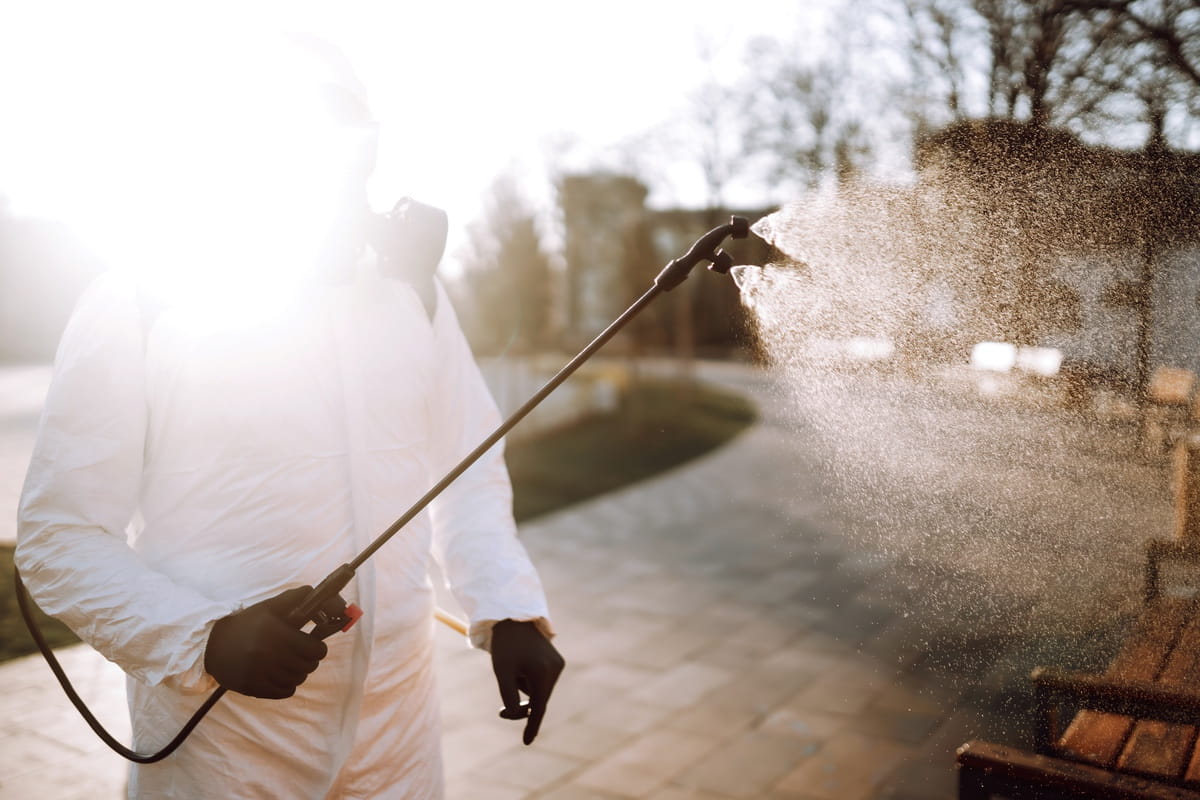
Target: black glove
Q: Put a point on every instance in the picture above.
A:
(523, 659)
(256, 652)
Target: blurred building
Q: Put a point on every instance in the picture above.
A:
(615, 246)
(1090, 250)
(602, 213)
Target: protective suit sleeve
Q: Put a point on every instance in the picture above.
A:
(81, 493)
(474, 535)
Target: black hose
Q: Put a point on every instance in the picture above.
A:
(341, 576)
(671, 276)
(23, 602)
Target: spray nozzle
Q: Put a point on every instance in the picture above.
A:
(705, 249)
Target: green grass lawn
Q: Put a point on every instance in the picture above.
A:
(658, 426)
(14, 638)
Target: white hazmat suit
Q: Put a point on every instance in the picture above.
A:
(187, 472)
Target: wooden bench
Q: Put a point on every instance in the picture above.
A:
(1171, 410)
(1135, 731)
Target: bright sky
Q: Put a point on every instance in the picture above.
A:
(506, 83)
(463, 90)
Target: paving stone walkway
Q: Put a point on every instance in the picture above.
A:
(723, 638)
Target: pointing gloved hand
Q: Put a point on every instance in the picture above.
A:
(257, 653)
(524, 660)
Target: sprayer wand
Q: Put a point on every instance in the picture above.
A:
(324, 606)
(706, 248)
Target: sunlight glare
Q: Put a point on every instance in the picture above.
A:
(200, 160)
(994, 356)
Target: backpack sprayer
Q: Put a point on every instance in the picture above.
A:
(324, 606)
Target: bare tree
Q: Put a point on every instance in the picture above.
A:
(1160, 44)
(507, 275)
(796, 114)
(713, 113)
(938, 34)
(1174, 25)
(714, 122)
(1092, 66)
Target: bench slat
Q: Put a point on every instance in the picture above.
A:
(1163, 749)
(986, 768)
(1158, 749)
(1192, 680)
(1096, 737)
(1192, 775)
(1099, 737)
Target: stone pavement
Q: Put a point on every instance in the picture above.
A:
(723, 639)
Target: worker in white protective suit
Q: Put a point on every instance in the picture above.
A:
(190, 481)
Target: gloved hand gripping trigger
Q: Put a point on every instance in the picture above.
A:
(334, 615)
(325, 608)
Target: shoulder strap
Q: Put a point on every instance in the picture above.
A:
(409, 242)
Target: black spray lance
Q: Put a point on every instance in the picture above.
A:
(324, 606)
(317, 606)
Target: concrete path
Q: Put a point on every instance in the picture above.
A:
(724, 638)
